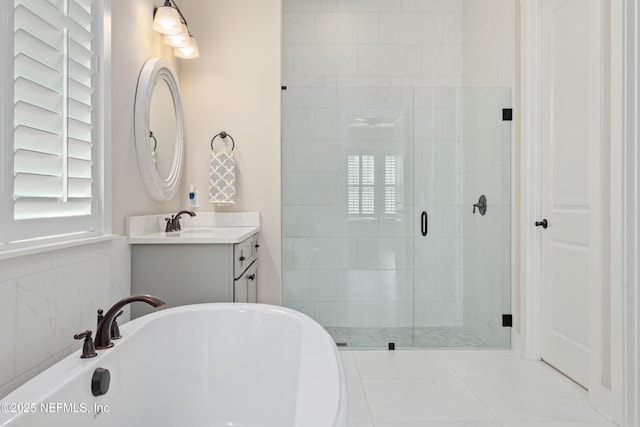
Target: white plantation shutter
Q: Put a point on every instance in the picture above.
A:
(361, 181)
(390, 171)
(53, 118)
(353, 179)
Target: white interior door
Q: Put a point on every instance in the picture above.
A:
(570, 183)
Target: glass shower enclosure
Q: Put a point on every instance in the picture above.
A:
(396, 213)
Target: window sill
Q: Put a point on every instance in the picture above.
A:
(15, 250)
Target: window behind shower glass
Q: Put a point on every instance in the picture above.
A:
(51, 145)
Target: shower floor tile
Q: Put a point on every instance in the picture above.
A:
(368, 338)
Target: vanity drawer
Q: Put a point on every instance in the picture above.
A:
(245, 288)
(244, 253)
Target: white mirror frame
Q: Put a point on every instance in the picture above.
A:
(159, 188)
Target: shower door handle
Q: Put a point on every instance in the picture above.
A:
(424, 223)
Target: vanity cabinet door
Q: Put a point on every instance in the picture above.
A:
(181, 274)
(252, 283)
(244, 253)
(245, 288)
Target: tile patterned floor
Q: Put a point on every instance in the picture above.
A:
(461, 388)
(405, 338)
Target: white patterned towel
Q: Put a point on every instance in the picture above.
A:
(222, 178)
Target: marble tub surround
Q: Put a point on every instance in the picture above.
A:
(205, 228)
(46, 298)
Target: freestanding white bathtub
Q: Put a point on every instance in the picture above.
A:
(199, 365)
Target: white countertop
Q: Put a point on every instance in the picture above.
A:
(204, 228)
(197, 235)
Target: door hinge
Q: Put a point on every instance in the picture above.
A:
(507, 114)
(507, 320)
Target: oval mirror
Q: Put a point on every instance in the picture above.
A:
(158, 128)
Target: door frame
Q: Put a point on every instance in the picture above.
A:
(631, 212)
(527, 341)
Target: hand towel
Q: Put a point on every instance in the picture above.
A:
(222, 178)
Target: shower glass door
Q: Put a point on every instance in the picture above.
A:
(380, 244)
(462, 252)
(347, 210)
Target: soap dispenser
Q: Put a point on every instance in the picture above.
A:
(194, 197)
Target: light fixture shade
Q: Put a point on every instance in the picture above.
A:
(167, 21)
(188, 52)
(181, 39)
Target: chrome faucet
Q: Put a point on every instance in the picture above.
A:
(173, 223)
(103, 333)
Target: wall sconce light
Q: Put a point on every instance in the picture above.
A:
(169, 21)
(188, 51)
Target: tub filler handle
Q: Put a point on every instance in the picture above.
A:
(88, 349)
(115, 329)
(100, 316)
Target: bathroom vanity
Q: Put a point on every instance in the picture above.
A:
(204, 262)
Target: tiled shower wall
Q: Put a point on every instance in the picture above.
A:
(48, 297)
(372, 83)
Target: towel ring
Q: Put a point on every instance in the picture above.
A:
(155, 141)
(223, 135)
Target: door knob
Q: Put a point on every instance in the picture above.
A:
(543, 223)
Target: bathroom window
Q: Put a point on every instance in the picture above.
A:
(361, 184)
(390, 190)
(361, 177)
(51, 176)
